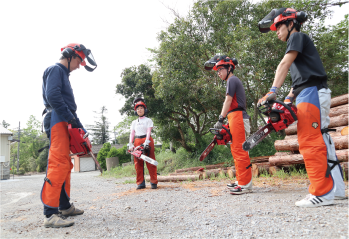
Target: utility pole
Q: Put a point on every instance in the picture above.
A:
(19, 140)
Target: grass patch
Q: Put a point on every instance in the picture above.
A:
(120, 172)
(132, 181)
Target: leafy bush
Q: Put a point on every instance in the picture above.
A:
(112, 153)
(102, 155)
(123, 156)
(21, 171)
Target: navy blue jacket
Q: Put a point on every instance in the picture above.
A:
(57, 92)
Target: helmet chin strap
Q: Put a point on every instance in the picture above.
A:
(289, 31)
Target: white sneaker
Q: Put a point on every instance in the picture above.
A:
(340, 197)
(313, 201)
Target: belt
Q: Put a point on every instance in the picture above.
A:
(141, 136)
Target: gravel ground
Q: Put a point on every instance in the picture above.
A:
(202, 209)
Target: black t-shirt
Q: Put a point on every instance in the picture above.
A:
(307, 66)
(236, 90)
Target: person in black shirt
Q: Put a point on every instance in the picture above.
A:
(234, 108)
(313, 98)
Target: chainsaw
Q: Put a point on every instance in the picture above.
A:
(221, 137)
(80, 145)
(280, 116)
(139, 151)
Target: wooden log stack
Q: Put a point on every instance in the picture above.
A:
(338, 120)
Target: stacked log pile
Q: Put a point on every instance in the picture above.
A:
(338, 120)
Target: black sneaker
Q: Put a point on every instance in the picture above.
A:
(231, 186)
(240, 190)
(154, 186)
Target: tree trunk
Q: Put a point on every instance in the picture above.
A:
(339, 100)
(231, 173)
(340, 120)
(344, 131)
(214, 166)
(177, 178)
(260, 159)
(258, 168)
(344, 166)
(332, 133)
(339, 110)
(211, 173)
(340, 142)
(290, 159)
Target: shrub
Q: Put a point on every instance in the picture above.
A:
(123, 156)
(112, 153)
(21, 171)
(102, 155)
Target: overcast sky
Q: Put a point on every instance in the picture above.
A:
(117, 32)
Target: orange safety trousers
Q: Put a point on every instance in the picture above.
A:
(241, 157)
(139, 164)
(311, 143)
(59, 166)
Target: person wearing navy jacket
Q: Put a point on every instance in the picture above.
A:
(60, 109)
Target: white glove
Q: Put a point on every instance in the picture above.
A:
(130, 146)
(146, 143)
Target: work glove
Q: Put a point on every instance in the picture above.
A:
(288, 100)
(219, 123)
(271, 95)
(130, 146)
(73, 123)
(146, 143)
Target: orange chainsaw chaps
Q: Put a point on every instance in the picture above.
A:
(241, 157)
(313, 148)
(59, 166)
(139, 163)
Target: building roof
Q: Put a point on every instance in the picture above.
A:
(5, 131)
(97, 147)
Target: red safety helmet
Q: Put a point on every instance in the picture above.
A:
(139, 102)
(220, 60)
(281, 15)
(79, 50)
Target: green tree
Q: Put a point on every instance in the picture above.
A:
(100, 131)
(5, 124)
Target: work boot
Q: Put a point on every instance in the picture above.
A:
(313, 201)
(57, 220)
(141, 186)
(72, 211)
(154, 186)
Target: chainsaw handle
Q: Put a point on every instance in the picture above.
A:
(228, 131)
(286, 106)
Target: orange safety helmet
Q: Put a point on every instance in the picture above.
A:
(140, 102)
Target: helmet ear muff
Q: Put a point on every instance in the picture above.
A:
(301, 17)
(68, 52)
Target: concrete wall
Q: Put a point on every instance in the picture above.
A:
(5, 154)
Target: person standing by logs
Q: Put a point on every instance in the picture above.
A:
(141, 130)
(313, 99)
(234, 108)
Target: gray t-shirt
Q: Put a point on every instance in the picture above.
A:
(307, 66)
(236, 90)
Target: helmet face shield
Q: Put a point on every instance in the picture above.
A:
(209, 65)
(265, 24)
(90, 65)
